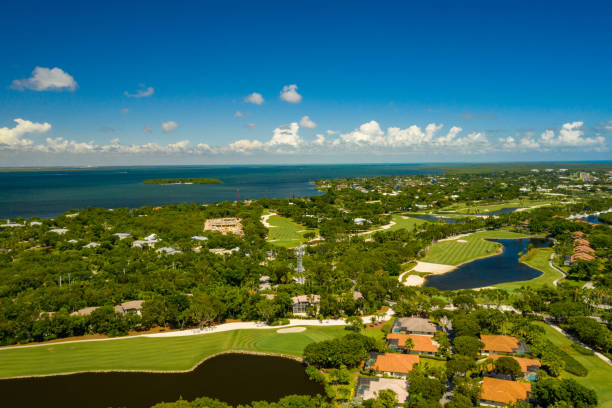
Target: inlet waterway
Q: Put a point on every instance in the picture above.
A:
(500, 268)
(233, 378)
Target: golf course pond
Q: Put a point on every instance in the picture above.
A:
(500, 268)
(234, 378)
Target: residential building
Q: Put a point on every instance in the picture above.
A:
(529, 366)
(397, 365)
(496, 344)
(421, 344)
(224, 225)
(498, 392)
(369, 388)
(303, 303)
(413, 325)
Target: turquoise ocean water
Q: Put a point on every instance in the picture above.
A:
(52, 192)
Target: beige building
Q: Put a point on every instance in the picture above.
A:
(224, 225)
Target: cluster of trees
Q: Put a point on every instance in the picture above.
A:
(348, 351)
(291, 401)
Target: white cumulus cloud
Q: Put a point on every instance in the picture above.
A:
(12, 137)
(290, 94)
(307, 123)
(169, 126)
(286, 135)
(46, 79)
(239, 114)
(245, 146)
(254, 98)
(570, 135)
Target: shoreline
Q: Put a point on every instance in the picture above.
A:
(196, 365)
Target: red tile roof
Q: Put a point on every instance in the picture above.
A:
(421, 343)
(504, 391)
(395, 363)
(504, 344)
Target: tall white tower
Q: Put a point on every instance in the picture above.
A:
(299, 269)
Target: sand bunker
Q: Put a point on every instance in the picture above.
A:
(436, 269)
(414, 280)
(463, 241)
(291, 330)
(264, 220)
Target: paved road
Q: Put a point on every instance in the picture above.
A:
(552, 265)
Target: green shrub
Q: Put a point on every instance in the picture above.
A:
(279, 322)
(582, 350)
(572, 365)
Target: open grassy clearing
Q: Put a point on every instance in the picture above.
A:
(455, 252)
(406, 222)
(600, 372)
(536, 258)
(154, 354)
(285, 232)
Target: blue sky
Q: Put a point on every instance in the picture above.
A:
(382, 82)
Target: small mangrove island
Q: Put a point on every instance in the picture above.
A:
(183, 181)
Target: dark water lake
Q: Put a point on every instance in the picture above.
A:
(51, 193)
(430, 217)
(504, 267)
(233, 378)
(593, 219)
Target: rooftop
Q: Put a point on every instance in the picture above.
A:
(421, 343)
(525, 363)
(504, 391)
(395, 363)
(416, 324)
(505, 344)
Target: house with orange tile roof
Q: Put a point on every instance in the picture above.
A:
(397, 365)
(582, 241)
(529, 366)
(497, 344)
(584, 249)
(497, 392)
(421, 344)
(580, 256)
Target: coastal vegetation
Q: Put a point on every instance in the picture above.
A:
(127, 271)
(188, 180)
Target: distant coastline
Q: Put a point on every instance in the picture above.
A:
(183, 181)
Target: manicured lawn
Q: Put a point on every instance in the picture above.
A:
(404, 221)
(536, 258)
(285, 232)
(487, 208)
(155, 354)
(600, 372)
(454, 252)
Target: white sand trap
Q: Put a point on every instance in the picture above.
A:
(463, 241)
(414, 280)
(436, 269)
(291, 330)
(264, 220)
(455, 237)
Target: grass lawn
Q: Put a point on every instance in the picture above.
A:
(455, 253)
(600, 372)
(487, 208)
(404, 221)
(154, 354)
(536, 258)
(285, 232)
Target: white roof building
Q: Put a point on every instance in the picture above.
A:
(122, 235)
(59, 231)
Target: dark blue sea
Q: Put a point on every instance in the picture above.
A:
(52, 192)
